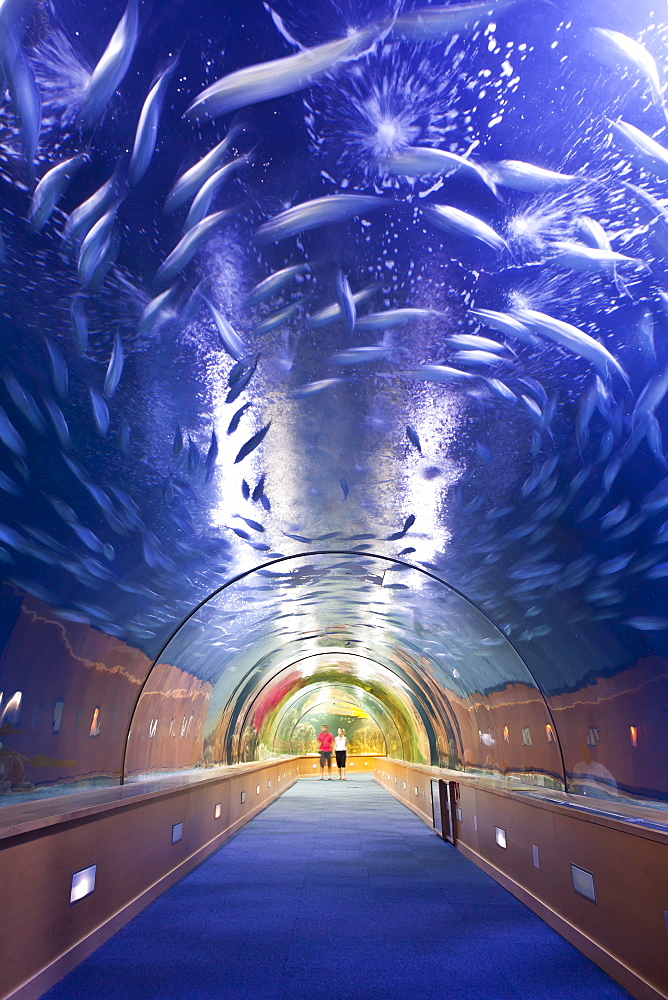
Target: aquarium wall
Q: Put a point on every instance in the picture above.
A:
(334, 366)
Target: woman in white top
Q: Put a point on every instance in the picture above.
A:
(341, 748)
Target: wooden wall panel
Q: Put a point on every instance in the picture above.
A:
(625, 930)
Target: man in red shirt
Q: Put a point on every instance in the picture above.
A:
(326, 743)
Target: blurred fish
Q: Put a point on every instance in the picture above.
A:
(280, 317)
(208, 191)
(240, 376)
(572, 339)
(255, 525)
(245, 489)
(475, 342)
(526, 177)
(229, 338)
(147, 127)
(50, 189)
(424, 161)
(438, 373)
(437, 22)
(83, 218)
(100, 412)
(615, 516)
(362, 355)
(477, 359)
(632, 53)
(112, 66)
(211, 456)
(585, 411)
(193, 456)
(345, 489)
(189, 245)
(7, 485)
(59, 424)
(96, 247)
(252, 443)
(23, 90)
(645, 331)
(24, 403)
(318, 212)
(115, 367)
(79, 323)
(408, 524)
(505, 323)
(275, 282)
(345, 300)
(647, 151)
(278, 77)
(157, 310)
(10, 437)
(413, 437)
(647, 623)
(578, 257)
(59, 376)
(594, 235)
(191, 181)
(332, 313)
(234, 422)
(177, 445)
(501, 390)
(453, 220)
(258, 492)
(314, 388)
(391, 318)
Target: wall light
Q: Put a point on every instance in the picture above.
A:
(83, 883)
(500, 836)
(243, 797)
(549, 732)
(268, 782)
(217, 809)
(416, 789)
(634, 735)
(257, 789)
(536, 856)
(177, 833)
(475, 823)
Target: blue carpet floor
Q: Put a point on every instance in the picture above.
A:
(336, 892)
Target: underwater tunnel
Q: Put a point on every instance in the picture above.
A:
(334, 363)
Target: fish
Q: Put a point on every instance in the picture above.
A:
(51, 188)
(645, 331)
(391, 318)
(277, 77)
(10, 437)
(617, 44)
(255, 525)
(96, 245)
(193, 456)
(79, 323)
(317, 212)
(408, 524)
(528, 178)
(100, 412)
(24, 403)
(234, 422)
(572, 339)
(585, 411)
(189, 245)
(115, 367)
(258, 491)
(479, 358)
(59, 424)
(362, 355)
(229, 338)
(413, 437)
(245, 370)
(192, 179)
(315, 388)
(7, 485)
(438, 22)
(275, 282)
(90, 211)
(155, 311)
(438, 373)
(615, 516)
(211, 456)
(280, 317)
(501, 390)
(453, 220)
(177, 445)
(475, 342)
(208, 191)
(146, 134)
(345, 300)
(577, 257)
(345, 489)
(505, 323)
(647, 151)
(650, 398)
(425, 161)
(112, 66)
(24, 92)
(647, 623)
(594, 235)
(252, 443)
(245, 489)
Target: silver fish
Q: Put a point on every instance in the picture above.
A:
(190, 182)
(647, 151)
(24, 92)
(50, 189)
(438, 373)
(189, 245)
(425, 161)
(157, 310)
(96, 247)
(10, 437)
(479, 358)
(526, 177)
(315, 388)
(280, 317)
(115, 367)
(332, 313)
(79, 323)
(475, 342)
(433, 23)
(362, 355)
(59, 374)
(505, 323)
(453, 220)
(572, 339)
(391, 318)
(208, 191)
(112, 66)
(100, 412)
(24, 403)
(279, 77)
(344, 297)
(147, 127)
(578, 257)
(501, 390)
(83, 218)
(632, 53)
(318, 212)
(275, 282)
(229, 337)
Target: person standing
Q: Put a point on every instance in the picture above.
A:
(341, 750)
(326, 743)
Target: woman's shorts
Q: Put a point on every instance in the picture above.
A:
(325, 758)
(341, 758)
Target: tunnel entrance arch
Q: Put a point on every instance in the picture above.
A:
(463, 672)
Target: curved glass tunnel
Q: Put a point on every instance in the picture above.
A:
(416, 439)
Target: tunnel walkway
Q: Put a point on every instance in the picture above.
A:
(336, 891)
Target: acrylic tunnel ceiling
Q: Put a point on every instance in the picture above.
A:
(357, 311)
